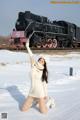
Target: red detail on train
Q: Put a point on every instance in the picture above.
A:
(18, 34)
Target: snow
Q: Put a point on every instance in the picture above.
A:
(15, 84)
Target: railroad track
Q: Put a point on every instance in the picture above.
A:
(50, 51)
(45, 50)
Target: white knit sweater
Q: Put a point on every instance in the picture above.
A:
(38, 88)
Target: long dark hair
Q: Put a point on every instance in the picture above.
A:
(45, 73)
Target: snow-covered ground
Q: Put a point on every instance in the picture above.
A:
(15, 84)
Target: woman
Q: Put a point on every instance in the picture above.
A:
(39, 82)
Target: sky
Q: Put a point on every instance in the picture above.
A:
(9, 10)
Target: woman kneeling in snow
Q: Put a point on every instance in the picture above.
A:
(39, 83)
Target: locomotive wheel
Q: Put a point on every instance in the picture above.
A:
(52, 43)
(55, 43)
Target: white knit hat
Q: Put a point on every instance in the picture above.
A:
(42, 56)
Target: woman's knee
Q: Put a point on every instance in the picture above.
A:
(44, 111)
(27, 104)
(23, 109)
(42, 106)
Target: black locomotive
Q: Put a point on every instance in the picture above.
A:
(46, 33)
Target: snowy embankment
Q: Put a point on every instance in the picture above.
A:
(15, 84)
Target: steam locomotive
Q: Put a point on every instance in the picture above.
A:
(45, 33)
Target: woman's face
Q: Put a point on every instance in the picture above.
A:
(41, 61)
